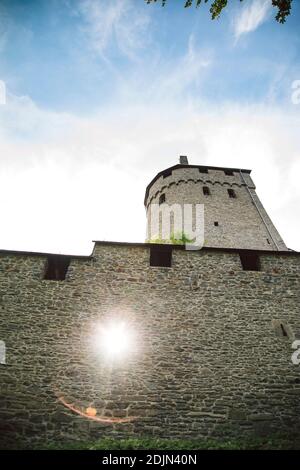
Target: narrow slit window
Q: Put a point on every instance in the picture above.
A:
(2, 352)
(250, 261)
(56, 267)
(203, 170)
(228, 172)
(283, 330)
(206, 191)
(162, 198)
(231, 193)
(161, 256)
(268, 241)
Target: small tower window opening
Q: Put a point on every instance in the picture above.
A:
(2, 352)
(283, 330)
(228, 172)
(268, 241)
(206, 191)
(203, 170)
(56, 267)
(162, 198)
(250, 261)
(161, 256)
(216, 224)
(231, 193)
(167, 173)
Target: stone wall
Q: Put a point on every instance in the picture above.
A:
(208, 358)
(242, 221)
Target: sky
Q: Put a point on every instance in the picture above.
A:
(98, 96)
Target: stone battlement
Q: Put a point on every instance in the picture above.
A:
(212, 354)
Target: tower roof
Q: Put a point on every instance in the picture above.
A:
(175, 167)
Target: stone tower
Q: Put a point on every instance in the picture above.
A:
(212, 333)
(234, 217)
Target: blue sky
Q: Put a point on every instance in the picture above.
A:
(105, 93)
(54, 53)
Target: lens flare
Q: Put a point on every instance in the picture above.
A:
(115, 340)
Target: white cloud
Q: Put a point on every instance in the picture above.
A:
(65, 179)
(122, 24)
(59, 190)
(178, 76)
(251, 17)
(22, 118)
(166, 80)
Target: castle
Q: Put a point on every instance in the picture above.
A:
(211, 329)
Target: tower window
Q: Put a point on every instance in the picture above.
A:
(161, 256)
(283, 330)
(162, 198)
(228, 172)
(2, 352)
(206, 191)
(167, 173)
(250, 261)
(216, 224)
(56, 267)
(231, 193)
(203, 170)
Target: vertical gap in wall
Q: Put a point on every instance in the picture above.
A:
(162, 198)
(231, 193)
(284, 333)
(250, 261)
(56, 267)
(161, 256)
(2, 353)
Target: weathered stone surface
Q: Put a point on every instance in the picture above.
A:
(242, 221)
(205, 362)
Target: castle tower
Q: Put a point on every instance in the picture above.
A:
(234, 217)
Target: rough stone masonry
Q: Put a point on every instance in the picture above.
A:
(213, 335)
